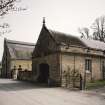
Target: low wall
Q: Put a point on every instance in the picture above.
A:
(25, 75)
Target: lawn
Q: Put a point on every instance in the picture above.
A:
(95, 84)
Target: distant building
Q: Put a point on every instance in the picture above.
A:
(16, 53)
(55, 53)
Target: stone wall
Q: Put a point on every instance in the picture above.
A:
(77, 62)
(72, 58)
(25, 75)
(72, 62)
(25, 64)
(54, 68)
(97, 68)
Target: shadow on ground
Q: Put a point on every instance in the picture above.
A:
(19, 85)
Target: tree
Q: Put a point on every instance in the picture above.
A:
(5, 7)
(84, 32)
(99, 29)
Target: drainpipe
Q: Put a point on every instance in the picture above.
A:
(84, 83)
(74, 71)
(60, 61)
(61, 68)
(74, 62)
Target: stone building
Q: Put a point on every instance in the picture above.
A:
(16, 53)
(55, 53)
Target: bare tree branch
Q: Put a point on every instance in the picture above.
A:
(5, 7)
(84, 32)
(99, 29)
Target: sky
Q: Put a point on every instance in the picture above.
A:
(60, 15)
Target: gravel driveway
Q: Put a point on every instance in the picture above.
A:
(22, 93)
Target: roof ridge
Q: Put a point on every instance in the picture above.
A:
(20, 42)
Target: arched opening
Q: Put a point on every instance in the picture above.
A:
(43, 73)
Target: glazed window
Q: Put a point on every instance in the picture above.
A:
(88, 65)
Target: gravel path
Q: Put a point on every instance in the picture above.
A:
(22, 93)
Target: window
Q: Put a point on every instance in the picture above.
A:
(88, 65)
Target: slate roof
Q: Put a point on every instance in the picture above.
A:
(94, 44)
(20, 50)
(66, 39)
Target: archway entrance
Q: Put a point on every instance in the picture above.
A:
(43, 73)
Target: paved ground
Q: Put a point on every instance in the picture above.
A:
(22, 93)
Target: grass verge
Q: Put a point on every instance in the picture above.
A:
(95, 84)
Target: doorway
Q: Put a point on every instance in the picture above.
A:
(43, 73)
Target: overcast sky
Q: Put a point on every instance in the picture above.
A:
(61, 15)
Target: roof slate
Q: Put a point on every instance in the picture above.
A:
(94, 44)
(66, 39)
(20, 50)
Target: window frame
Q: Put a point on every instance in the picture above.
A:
(88, 65)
